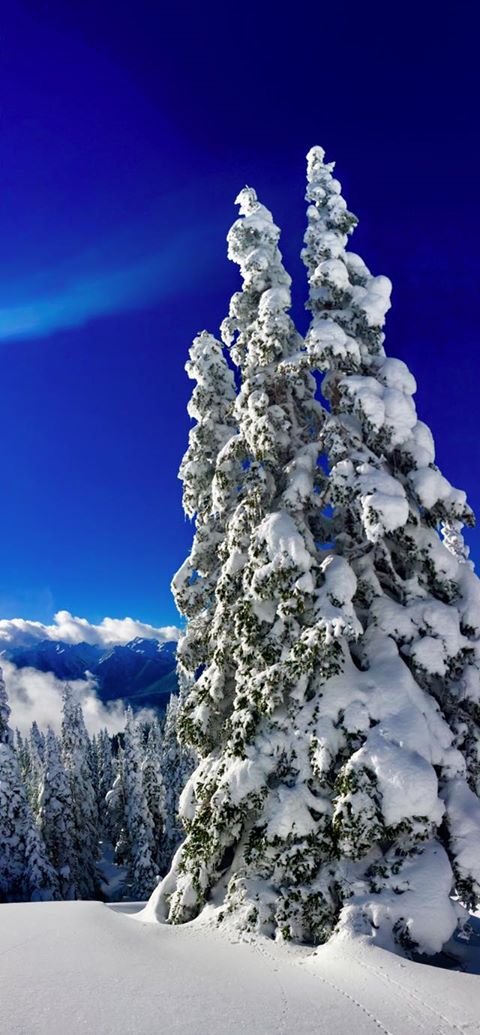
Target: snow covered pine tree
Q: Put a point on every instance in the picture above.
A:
(83, 819)
(55, 818)
(336, 708)
(25, 872)
(139, 829)
(176, 765)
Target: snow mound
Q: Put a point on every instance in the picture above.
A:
(82, 967)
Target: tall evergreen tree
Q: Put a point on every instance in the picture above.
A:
(55, 816)
(115, 815)
(105, 774)
(20, 750)
(76, 759)
(397, 746)
(211, 407)
(138, 819)
(336, 709)
(240, 709)
(37, 739)
(25, 872)
(176, 762)
(5, 731)
(154, 788)
(32, 759)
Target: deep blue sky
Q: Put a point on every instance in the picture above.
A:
(126, 132)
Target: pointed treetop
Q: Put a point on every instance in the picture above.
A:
(5, 732)
(348, 304)
(248, 202)
(258, 329)
(323, 189)
(252, 244)
(67, 695)
(51, 743)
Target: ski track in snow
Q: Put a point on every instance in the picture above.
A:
(82, 967)
(364, 1010)
(401, 990)
(259, 947)
(421, 1016)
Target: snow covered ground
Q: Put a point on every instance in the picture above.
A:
(72, 967)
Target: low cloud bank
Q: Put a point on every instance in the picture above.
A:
(38, 695)
(17, 632)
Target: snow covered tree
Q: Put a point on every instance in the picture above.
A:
(154, 788)
(138, 819)
(21, 750)
(105, 775)
(31, 762)
(177, 763)
(135, 808)
(25, 764)
(93, 760)
(5, 731)
(115, 815)
(336, 706)
(37, 739)
(76, 759)
(211, 406)
(25, 872)
(210, 469)
(239, 711)
(41, 881)
(55, 816)
(396, 743)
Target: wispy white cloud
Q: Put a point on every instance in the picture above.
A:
(72, 629)
(84, 297)
(141, 263)
(38, 695)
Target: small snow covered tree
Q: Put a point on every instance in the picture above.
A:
(138, 819)
(76, 759)
(41, 881)
(31, 762)
(25, 872)
(37, 739)
(177, 763)
(115, 812)
(105, 776)
(6, 736)
(55, 816)
(154, 788)
(93, 761)
(21, 751)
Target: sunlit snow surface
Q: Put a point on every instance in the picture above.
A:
(72, 967)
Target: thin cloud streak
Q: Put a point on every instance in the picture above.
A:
(87, 297)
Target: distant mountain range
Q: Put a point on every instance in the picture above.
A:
(141, 672)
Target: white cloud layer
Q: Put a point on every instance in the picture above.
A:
(16, 632)
(38, 695)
